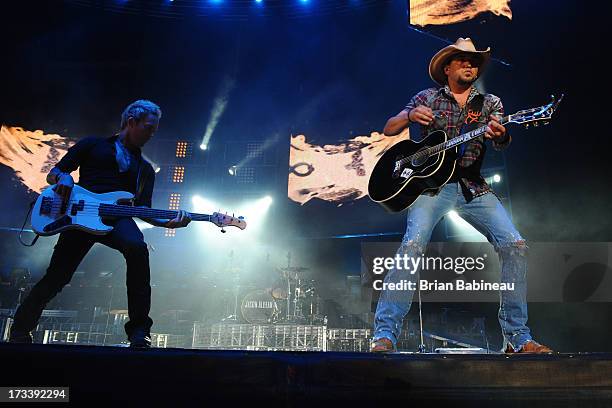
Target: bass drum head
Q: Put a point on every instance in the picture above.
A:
(259, 307)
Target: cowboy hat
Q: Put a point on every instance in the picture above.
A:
(442, 57)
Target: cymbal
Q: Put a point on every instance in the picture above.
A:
(119, 311)
(294, 269)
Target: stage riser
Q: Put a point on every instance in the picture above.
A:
(260, 337)
(272, 337)
(299, 379)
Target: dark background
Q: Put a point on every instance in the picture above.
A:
(331, 74)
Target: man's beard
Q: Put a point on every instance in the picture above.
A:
(464, 82)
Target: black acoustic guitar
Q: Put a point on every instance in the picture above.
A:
(408, 169)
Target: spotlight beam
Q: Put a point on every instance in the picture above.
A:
(218, 108)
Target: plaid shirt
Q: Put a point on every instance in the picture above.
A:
(450, 117)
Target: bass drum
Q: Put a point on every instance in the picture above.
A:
(259, 307)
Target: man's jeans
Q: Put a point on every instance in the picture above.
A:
(488, 216)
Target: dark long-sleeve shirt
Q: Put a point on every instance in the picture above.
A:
(99, 171)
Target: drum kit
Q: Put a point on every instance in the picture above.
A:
(291, 300)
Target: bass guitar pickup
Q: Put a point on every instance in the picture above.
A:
(59, 223)
(76, 207)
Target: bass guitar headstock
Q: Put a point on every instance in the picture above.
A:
(224, 220)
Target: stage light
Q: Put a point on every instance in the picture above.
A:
(232, 170)
(178, 175)
(258, 1)
(203, 205)
(203, 146)
(464, 226)
(254, 213)
(263, 203)
(142, 225)
(184, 149)
(453, 215)
(496, 178)
(174, 201)
(157, 169)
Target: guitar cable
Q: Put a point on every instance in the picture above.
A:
(23, 228)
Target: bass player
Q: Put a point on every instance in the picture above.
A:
(105, 165)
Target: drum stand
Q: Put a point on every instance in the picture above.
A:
(288, 300)
(297, 312)
(295, 291)
(234, 316)
(294, 314)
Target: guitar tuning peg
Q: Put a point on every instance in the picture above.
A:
(536, 124)
(546, 123)
(223, 230)
(526, 125)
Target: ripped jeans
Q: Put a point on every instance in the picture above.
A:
(489, 217)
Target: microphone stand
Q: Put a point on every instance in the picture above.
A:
(422, 345)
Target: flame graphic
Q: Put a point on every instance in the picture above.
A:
(31, 154)
(440, 12)
(335, 173)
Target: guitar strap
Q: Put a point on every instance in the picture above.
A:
(471, 119)
(139, 183)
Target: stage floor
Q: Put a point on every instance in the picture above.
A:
(196, 377)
